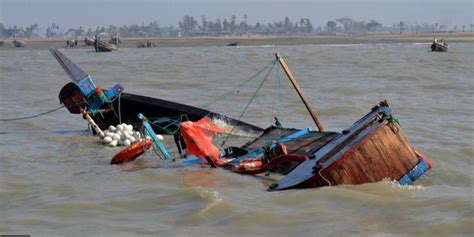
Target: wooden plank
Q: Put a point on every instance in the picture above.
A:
(300, 92)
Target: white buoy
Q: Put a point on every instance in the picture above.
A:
(112, 128)
(113, 143)
(116, 137)
(108, 139)
(127, 142)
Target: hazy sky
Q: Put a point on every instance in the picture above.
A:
(92, 13)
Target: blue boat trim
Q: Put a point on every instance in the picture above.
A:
(414, 173)
(153, 136)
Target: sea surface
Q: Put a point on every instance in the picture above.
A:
(56, 180)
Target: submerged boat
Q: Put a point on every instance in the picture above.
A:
(372, 149)
(439, 45)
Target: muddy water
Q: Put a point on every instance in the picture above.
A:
(55, 178)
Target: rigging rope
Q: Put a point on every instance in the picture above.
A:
(215, 101)
(32, 116)
(251, 100)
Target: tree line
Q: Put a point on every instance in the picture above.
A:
(191, 26)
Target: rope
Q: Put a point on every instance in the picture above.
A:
(251, 100)
(31, 116)
(215, 101)
(329, 183)
(220, 98)
(119, 111)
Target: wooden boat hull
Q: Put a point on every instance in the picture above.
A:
(381, 155)
(102, 46)
(372, 150)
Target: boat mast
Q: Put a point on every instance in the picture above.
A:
(300, 92)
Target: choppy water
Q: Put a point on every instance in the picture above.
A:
(55, 179)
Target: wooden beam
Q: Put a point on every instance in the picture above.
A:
(300, 92)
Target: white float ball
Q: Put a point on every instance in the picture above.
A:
(113, 143)
(116, 137)
(109, 134)
(160, 137)
(119, 127)
(108, 139)
(127, 142)
(112, 128)
(133, 140)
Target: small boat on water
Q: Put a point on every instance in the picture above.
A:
(71, 43)
(101, 44)
(145, 44)
(235, 43)
(439, 45)
(19, 43)
(115, 40)
(372, 149)
(88, 41)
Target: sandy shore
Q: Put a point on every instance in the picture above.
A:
(264, 40)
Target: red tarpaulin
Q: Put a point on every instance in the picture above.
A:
(198, 138)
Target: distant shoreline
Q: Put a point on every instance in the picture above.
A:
(261, 40)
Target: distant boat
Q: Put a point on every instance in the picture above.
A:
(115, 40)
(233, 43)
(103, 46)
(145, 44)
(439, 45)
(88, 41)
(71, 43)
(19, 43)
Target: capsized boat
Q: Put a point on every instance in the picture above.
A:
(439, 45)
(374, 148)
(113, 106)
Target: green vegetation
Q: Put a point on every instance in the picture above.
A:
(189, 26)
